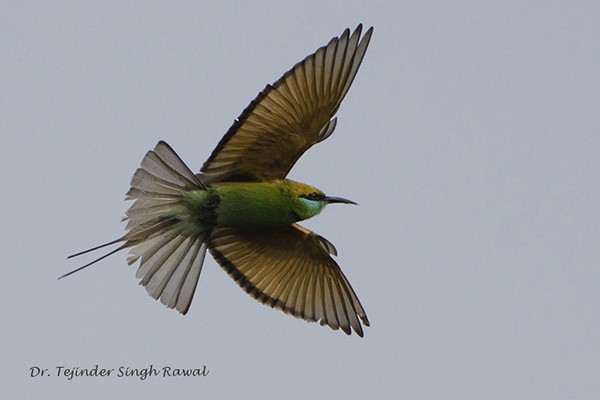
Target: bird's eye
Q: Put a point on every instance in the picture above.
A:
(312, 196)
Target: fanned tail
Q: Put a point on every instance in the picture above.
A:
(171, 262)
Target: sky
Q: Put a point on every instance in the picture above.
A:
(470, 139)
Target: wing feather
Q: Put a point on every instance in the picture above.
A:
(289, 268)
(290, 116)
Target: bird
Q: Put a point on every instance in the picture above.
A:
(241, 207)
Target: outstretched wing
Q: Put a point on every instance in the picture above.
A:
(291, 115)
(290, 268)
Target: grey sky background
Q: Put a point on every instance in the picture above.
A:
(470, 139)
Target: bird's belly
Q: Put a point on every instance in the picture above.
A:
(246, 207)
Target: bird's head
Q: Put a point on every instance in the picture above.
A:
(308, 201)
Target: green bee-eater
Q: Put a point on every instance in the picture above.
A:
(242, 208)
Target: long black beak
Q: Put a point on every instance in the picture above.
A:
(330, 200)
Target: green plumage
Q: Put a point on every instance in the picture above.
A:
(243, 204)
(259, 204)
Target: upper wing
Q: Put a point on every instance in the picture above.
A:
(290, 268)
(291, 115)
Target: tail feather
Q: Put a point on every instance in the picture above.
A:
(95, 248)
(163, 270)
(156, 258)
(164, 163)
(135, 193)
(97, 259)
(147, 214)
(144, 180)
(142, 232)
(171, 262)
(183, 291)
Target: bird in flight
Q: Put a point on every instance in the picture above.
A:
(241, 207)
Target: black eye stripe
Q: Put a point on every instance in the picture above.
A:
(312, 196)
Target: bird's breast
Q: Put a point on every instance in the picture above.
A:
(253, 204)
